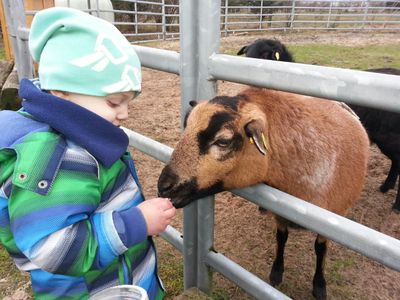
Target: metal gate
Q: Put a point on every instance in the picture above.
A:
(200, 66)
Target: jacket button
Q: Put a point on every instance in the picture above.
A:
(22, 176)
(42, 184)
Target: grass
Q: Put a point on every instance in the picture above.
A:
(10, 277)
(171, 263)
(350, 57)
(2, 54)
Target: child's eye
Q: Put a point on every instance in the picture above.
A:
(112, 105)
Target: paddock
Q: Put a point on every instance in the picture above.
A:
(256, 227)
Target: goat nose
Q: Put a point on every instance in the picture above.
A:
(166, 181)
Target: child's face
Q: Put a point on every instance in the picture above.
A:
(113, 108)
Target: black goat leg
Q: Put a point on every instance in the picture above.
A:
(390, 181)
(319, 283)
(396, 205)
(275, 277)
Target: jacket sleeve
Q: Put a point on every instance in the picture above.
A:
(82, 224)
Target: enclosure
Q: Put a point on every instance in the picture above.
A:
(200, 26)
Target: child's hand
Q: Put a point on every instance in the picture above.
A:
(158, 213)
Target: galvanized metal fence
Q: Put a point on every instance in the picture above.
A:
(152, 20)
(200, 66)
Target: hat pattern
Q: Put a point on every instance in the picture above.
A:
(107, 51)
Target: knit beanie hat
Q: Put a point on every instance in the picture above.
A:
(83, 54)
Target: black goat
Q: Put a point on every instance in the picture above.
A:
(383, 127)
(267, 49)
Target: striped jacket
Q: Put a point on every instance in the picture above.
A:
(68, 210)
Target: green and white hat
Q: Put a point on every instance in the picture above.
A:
(82, 54)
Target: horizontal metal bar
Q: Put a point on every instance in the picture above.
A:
(174, 237)
(159, 59)
(358, 87)
(243, 278)
(149, 146)
(362, 239)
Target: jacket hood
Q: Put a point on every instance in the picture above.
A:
(105, 141)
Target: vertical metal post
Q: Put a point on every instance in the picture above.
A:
(292, 13)
(97, 8)
(199, 38)
(261, 14)
(17, 29)
(366, 8)
(163, 19)
(329, 15)
(226, 17)
(136, 19)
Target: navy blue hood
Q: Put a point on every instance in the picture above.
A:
(105, 141)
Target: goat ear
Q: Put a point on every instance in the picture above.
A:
(254, 130)
(193, 103)
(242, 51)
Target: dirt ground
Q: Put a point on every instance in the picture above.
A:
(241, 232)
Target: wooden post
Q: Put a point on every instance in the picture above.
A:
(29, 5)
(4, 30)
(36, 5)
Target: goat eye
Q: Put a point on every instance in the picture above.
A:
(223, 143)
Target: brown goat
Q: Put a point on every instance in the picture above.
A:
(311, 148)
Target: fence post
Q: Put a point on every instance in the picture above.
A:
(4, 31)
(329, 15)
(366, 8)
(261, 13)
(136, 19)
(226, 17)
(18, 33)
(163, 19)
(199, 39)
(292, 13)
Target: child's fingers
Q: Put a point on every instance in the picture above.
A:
(169, 213)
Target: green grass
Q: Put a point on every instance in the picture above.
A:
(350, 57)
(2, 54)
(10, 277)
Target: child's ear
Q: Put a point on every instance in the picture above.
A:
(60, 94)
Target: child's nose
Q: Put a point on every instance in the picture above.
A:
(123, 112)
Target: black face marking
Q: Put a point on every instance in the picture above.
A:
(216, 123)
(188, 192)
(228, 102)
(182, 194)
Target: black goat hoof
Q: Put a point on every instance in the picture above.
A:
(396, 209)
(383, 188)
(275, 277)
(319, 293)
(387, 186)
